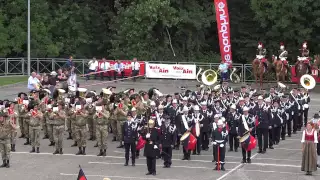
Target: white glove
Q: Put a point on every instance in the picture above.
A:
(270, 127)
(237, 129)
(148, 135)
(201, 125)
(221, 145)
(155, 147)
(213, 143)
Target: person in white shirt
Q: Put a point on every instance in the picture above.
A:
(118, 69)
(105, 69)
(33, 82)
(135, 65)
(223, 67)
(93, 67)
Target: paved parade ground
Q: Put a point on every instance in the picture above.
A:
(281, 163)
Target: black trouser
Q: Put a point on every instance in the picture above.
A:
(233, 141)
(151, 164)
(221, 153)
(305, 116)
(289, 125)
(276, 134)
(295, 120)
(137, 153)
(283, 130)
(186, 153)
(245, 153)
(271, 137)
(108, 75)
(263, 132)
(116, 73)
(127, 147)
(204, 140)
(135, 73)
(88, 74)
(167, 155)
(300, 120)
(178, 141)
(198, 145)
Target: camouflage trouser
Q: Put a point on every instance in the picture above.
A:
(35, 136)
(58, 136)
(81, 135)
(102, 136)
(73, 130)
(69, 125)
(50, 132)
(26, 128)
(13, 137)
(113, 124)
(5, 149)
(92, 125)
(21, 124)
(44, 126)
(119, 128)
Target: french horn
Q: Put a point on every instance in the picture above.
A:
(235, 78)
(307, 81)
(208, 77)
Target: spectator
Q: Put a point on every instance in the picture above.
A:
(32, 82)
(93, 67)
(70, 63)
(118, 69)
(45, 82)
(223, 67)
(53, 81)
(105, 68)
(135, 68)
(61, 76)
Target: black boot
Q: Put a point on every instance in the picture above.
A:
(70, 137)
(27, 142)
(114, 139)
(96, 145)
(94, 138)
(100, 153)
(56, 151)
(104, 152)
(121, 145)
(79, 152)
(8, 164)
(33, 150)
(51, 143)
(91, 138)
(4, 164)
(22, 136)
(222, 167)
(74, 144)
(45, 136)
(13, 148)
(84, 151)
(38, 150)
(61, 152)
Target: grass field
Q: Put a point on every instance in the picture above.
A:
(6, 80)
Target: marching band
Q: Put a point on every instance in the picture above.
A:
(195, 120)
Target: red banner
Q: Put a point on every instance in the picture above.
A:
(127, 68)
(222, 16)
(315, 74)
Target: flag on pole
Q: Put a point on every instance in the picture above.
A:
(81, 175)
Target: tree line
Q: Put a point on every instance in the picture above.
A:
(122, 29)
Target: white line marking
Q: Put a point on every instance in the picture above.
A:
(122, 177)
(189, 167)
(277, 165)
(287, 149)
(276, 159)
(235, 168)
(280, 172)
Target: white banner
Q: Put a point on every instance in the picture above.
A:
(171, 71)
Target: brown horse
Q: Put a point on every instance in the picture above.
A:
(258, 71)
(301, 69)
(316, 62)
(280, 69)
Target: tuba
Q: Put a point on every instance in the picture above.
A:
(307, 81)
(234, 77)
(82, 92)
(60, 93)
(106, 92)
(208, 77)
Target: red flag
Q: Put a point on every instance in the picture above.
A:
(81, 175)
(222, 16)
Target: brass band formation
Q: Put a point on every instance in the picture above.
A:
(159, 123)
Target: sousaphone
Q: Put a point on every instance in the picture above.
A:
(208, 77)
(82, 92)
(235, 78)
(307, 81)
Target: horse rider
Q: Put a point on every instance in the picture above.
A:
(304, 57)
(261, 54)
(283, 55)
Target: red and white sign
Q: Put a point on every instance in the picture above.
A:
(222, 16)
(127, 68)
(171, 71)
(297, 80)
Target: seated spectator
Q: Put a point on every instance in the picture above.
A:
(105, 69)
(32, 82)
(45, 82)
(93, 67)
(118, 69)
(52, 81)
(135, 65)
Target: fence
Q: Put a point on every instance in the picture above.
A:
(18, 66)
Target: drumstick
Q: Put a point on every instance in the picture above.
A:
(218, 158)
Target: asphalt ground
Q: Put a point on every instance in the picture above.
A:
(282, 162)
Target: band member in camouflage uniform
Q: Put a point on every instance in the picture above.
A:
(121, 114)
(13, 117)
(81, 128)
(35, 117)
(50, 122)
(101, 119)
(23, 118)
(91, 124)
(21, 113)
(59, 117)
(6, 128)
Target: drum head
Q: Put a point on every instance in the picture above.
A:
(82, 89)
(244, 138)
(184, 136)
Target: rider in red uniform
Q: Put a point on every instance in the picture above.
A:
(262, 51)
(283, 54)
(305, 53)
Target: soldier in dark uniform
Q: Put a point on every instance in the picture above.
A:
(305, 100)
(219, 139)
(130, 135)
(205, 126)
(186, 125)
(246, 123)
(233, 124)
(285, 105)
(168, 138)
(152, 144)
(264, 124)
(277, 121)
(295, 109)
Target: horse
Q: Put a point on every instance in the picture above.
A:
(316, 62)
(301, 68)
(259, 70)
(280, 69)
